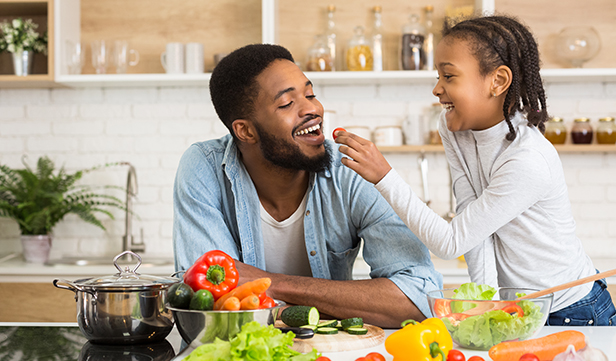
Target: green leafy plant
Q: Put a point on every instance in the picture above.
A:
(39, 199)
(19, 35)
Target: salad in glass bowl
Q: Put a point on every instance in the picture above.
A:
(480, 316)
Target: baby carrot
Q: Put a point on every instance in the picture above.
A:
(250, 302)
(543, 347)
(255, 287)
(231, 304)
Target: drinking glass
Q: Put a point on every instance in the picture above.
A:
(75, 57)
(121, 56)
(100, 56)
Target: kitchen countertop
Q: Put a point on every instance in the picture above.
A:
(64, 341)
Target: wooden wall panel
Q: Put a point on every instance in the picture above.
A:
(221, 25)
(36, 302)
(546, 19)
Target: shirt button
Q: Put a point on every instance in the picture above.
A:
(307, 213)
(590, 322)
(567, 320)
(312, 253)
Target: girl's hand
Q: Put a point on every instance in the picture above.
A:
(365, 160)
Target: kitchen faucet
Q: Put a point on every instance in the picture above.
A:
(128, 243)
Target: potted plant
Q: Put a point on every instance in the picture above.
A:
(20, 38)
(39, 199)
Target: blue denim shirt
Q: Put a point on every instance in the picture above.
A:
(216, 206)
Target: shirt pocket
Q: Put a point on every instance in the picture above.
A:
(341, 263)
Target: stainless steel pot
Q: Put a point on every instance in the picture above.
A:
(125, 308)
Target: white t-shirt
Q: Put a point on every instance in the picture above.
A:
(284, 243)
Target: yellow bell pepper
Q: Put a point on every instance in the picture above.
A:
(425, 341)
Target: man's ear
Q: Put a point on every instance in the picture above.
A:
(501, 80)
(245, 131)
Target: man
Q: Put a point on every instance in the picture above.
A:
(275, 196)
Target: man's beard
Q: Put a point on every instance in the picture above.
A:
(288, 155)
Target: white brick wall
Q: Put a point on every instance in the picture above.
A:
(151, 128)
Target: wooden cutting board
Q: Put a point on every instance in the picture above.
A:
(341, 341)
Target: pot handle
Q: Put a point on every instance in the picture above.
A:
(72, 287)
(127, 270)
(177, 273)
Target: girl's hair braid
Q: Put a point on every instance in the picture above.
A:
(503, 40)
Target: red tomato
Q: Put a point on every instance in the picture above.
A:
(267, 303)
(529, 357)
(455, 355)
(375, 356)
(335, 130)
(323, 358)
(476, 358)
(262, 297)
(442, 308)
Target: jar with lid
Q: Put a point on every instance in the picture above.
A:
(359, 54)
(330, 34)
(319, 56)
(412, 55)
(606, 131)
(434, 119)
(555, 131)
(377, 40)
(581, 132)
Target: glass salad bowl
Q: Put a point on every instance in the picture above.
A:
(487, 316)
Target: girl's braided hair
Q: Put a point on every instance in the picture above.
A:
(503, 40)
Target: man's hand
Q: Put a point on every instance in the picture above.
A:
(366, 160)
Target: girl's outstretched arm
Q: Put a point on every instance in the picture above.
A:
(365, 159)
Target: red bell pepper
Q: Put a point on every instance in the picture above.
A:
(214, 271)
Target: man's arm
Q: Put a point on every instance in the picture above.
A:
(378, 301)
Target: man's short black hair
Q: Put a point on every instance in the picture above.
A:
(233, 87)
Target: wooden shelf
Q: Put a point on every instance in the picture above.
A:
(30, 81)
(565, 148)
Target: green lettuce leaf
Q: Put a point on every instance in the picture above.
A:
(470, 291)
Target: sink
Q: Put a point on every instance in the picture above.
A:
(108, 260)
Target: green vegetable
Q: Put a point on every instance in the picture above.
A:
(255, 342)
(357, 330)
(327, 330)
(471, 291)
(296, 316)
(328, 323)
(203, 300)
(350, 322)
(179, 295)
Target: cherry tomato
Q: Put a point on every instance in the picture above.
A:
(323, 358)
(268, 302)
(375, 356)
(362, 359)
(335, 130)
(262, 296)
(529, 357)
(455, 355)
(476, 358)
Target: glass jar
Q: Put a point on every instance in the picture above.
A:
(319, 56)
(555, 131)
(434, 119)
(330, 34)
(581, 132)
(377, 40)
(412, 56)
(606, 131)
(359, 54)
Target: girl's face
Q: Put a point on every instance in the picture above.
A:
(462, 90)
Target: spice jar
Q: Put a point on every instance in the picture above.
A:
(412, 53)
(319, 56)
(359, 54)
(606, 131)
(581, 132)
(555, 131)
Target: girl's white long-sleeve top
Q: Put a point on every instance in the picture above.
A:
(514, 223)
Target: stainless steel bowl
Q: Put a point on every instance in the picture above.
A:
(125, 308)
(201, 327)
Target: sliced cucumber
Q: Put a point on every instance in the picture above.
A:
(327, 330)
(349, 322)
(328, 323)
(312, 327)
(357, 330)
(296, 316)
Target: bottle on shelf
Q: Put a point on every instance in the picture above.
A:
(412, 56)
(319, 57)
(606, 131)
(377, 40)
(359, 55)
(429, 40)
(581, 132)
(330, 34)
(555, 131)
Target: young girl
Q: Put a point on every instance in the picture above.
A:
(514, 223)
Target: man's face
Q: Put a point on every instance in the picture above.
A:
(288, 119)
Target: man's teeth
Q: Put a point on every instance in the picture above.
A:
(448, 107)
(308, 130)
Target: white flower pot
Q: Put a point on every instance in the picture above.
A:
(22, 62)
(36, 248)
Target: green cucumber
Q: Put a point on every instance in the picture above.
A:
(356, 330)
(327, 330)
(311, 327)
(328, 323)
(296, 316)
(349, 322)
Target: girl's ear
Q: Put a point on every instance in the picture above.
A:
(501, 80)
(244, 131)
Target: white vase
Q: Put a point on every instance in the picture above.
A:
(36, 248)
(22, 62)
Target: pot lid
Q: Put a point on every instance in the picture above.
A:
(126, 279)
